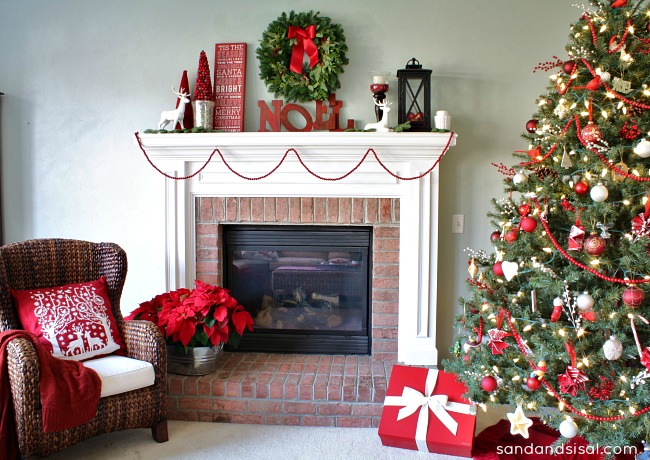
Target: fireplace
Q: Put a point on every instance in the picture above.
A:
(306, 286)
(298, 388)
(282, 180)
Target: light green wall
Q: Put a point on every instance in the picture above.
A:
(81, 76)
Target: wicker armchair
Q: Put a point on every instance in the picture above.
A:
(54, 262)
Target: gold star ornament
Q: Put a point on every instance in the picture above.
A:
(519, 423)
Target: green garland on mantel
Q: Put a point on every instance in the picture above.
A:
(404, 127)
(314, 83)
(196, 129)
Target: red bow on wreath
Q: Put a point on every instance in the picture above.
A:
(304, 44)
(573, 379)
(497, 345)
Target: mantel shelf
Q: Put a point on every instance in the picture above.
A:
(197, 146)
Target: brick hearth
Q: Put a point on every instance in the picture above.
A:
(276, 389)
(297, 389)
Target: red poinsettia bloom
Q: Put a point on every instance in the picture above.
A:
(217, 333)
(146, 310)
(198, 317)
(220, 313)
(241, 319)
(179, 322)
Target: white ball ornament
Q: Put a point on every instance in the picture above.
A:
(519, 178)
(585, 301)
(613, 348)
(643, 149)
(568, 428)
(599, 193)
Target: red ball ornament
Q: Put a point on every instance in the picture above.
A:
(528, 224)
(489, 383)
(511, 236)
(568, 67)
(531, 126)
(497, 269)
(591, 133)
(495, 235)
(581, 188)
(594, 245)
(633, 296)
(533, 383)
(524, 210)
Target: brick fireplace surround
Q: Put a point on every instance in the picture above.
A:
(302, 389)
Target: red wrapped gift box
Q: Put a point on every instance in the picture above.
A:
(424, 410)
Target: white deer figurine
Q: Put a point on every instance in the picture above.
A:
(382, 125)
(175, 116)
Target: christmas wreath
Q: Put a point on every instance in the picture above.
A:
(282, 51)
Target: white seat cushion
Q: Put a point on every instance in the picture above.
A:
(120, 374)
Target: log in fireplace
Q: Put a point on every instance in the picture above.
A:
(307, 287)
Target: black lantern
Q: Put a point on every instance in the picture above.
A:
(414, 96)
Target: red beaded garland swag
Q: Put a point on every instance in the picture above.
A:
(295, 152)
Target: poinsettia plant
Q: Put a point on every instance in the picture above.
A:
(206, 314)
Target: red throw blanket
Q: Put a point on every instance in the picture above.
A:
(69, 393)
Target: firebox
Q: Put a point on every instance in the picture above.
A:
(307, 287)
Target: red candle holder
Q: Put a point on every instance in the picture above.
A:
(379, 94)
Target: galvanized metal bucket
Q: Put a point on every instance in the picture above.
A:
(204, 114)
(196, 361)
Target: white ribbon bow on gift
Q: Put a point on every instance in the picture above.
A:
(412, 399)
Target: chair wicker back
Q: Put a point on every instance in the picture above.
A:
(54, 262)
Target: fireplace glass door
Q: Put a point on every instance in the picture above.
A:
(307, 287)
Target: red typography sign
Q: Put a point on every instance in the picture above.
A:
(229, 86)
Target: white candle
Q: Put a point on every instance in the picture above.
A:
(380, 79)
(442, 120)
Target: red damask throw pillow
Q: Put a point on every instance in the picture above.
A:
(74, 321)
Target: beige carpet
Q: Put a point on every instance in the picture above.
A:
(195, 440)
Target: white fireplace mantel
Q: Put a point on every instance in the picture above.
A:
(330, 155)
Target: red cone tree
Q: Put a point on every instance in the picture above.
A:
(188, 118)
(203, 86)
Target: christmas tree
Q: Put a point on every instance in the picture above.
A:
(556, 322)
